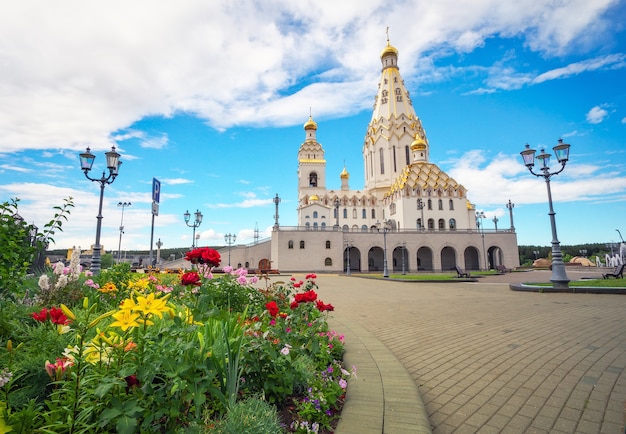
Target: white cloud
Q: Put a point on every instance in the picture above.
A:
(614, 61)
(596, 115)
(79, 73)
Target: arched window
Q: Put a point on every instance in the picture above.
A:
(323, 225)
(335, 213)
(419, 224)
(442, 224)
(430, 204)
(314, 214)
(354, 213)
(302, 244)
(431, 224)
(247, 264)
(373, 213)
(364, 213)
(307, 225)
(314, 226)
(364, 228)
(290, 244)
(345, 213)
(382, 161)
(451, 204)
(345, 228)
(452, 224)
(328, 244)
(328, 262)
(439, 204)
(313, 179)
(407, 154)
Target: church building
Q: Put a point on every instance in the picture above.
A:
(410, 216)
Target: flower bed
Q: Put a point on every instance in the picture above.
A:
(169, 353)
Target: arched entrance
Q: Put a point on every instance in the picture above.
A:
(471, 256)
(448, 258)
(495, 256)
(375, 259)
(424, 259)
(355, 259)
(400, 259)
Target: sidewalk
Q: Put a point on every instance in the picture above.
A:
(478, 357)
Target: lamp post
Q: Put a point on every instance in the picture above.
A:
(385, 229)
(159, 244)
(536, 253)
(510, 207)
(230, 240)
(403, 254)
(561, 151)
(113, 164)
(583, 252)
(337, 203)
(196, 223)
(495, 222)
(481, 215)
(348, 244)
(420, 206)
(620, 235)
(276, 201)
(119, 247)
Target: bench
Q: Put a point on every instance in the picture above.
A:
(460, 272)
(501, 269)
(618, 272)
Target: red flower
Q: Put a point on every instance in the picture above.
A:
(58, 317)
(131, 381)
(40, 316)
(305, 297)
(324, 307)
(311, 276)
(293, 305)
(204, 255)
(298, 284)
(272, 308)
(190, 278)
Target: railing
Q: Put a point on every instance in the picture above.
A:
(403, 231)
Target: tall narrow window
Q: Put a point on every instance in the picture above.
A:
(345, 213)
(394, 159)
(313, 179)
(373, 213)
(451, 204)
(302, 244)
(382, 161)
(290, 244)
(440, 204)
(430, 204)
(364, 213)
(328, 244)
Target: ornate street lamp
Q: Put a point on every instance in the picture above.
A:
(420, 206)
(403, 255)
(481, 215)
(196, 223)
(561, 151)
(510, 207)
(348, 244)
(113, 164)
(230, 240)
(337, 203)
(119, 247)
(495, 222)
(384, 228)
(276, 201)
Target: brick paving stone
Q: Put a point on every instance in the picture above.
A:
(488, 359)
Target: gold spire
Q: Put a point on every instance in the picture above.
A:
(344, 173)
(418, 144)
(310, 124)
(389, 49)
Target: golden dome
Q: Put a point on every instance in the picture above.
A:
(418, 144)
(310, 124)
(389, 49)
(314, 197)
(344, 174)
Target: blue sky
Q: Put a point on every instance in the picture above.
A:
(210, 98)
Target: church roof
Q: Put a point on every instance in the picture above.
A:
(423, 175)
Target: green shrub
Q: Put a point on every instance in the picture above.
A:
(252, 416)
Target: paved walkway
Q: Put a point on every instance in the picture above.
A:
(478, 357)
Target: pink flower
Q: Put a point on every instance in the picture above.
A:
(242, 280)
(343, 383)
(285, 350)
(254, 279)
(227, 269)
